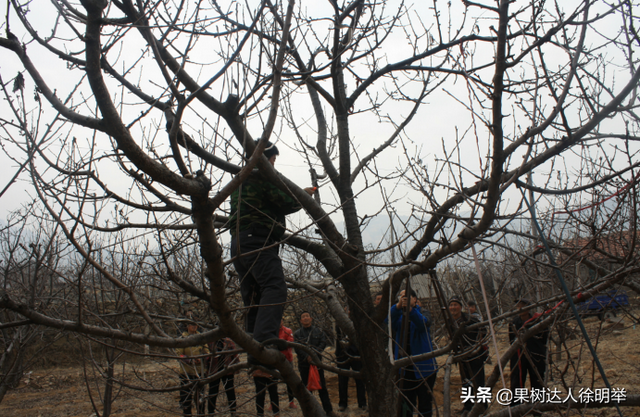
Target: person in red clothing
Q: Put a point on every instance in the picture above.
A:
(286, 333)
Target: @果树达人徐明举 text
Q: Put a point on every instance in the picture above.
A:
(544, 395)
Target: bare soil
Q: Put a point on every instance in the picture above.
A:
(62, 391)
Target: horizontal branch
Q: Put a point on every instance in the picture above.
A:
(88, 329)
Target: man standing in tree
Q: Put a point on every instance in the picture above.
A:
(315, 338)
(472, 367)
(257, 224)
(532, 357)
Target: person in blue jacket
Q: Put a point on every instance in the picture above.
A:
(417, 380)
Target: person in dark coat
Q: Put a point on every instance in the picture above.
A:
(264, 382)
(472, 368)
(219, 362)
(530, 359)
(315, 338)
(346, 352)
(418, 378)
(473, 310)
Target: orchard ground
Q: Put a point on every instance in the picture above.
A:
(62, 390)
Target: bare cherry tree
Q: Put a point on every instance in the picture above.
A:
(141, 117)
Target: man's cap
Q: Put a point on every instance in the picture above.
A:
(455, 299)
(270, 150)
(522, 301)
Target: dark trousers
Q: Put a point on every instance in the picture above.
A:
(262, 284)
(229, 389)
(343, 384)
(324, 394)
(262, 386)
(418, 391)
(473, 372)
(290, 393)
(521, 366)
(189, 394)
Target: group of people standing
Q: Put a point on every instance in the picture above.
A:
(200, 361)
(418, 379)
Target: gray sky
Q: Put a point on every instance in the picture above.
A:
(440, 121)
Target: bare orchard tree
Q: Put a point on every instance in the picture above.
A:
(31, 258)
(141, 116)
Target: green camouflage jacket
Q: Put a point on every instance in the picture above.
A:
(261, 204)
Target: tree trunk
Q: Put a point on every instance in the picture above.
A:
(108, 388)
(11, 361)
